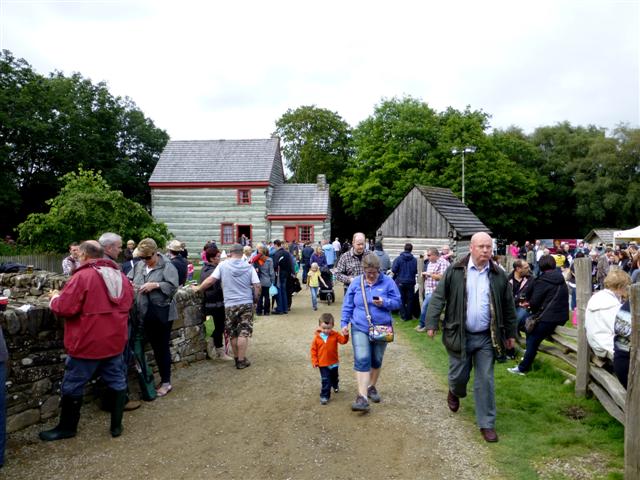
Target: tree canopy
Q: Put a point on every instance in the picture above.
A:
(85, 208)
(50, 126)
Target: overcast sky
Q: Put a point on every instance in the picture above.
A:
(213, 69)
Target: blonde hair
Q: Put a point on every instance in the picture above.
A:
(314, 265)
(617, 280)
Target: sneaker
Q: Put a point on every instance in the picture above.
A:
(336, 389)
(324, 400)
(372, 393)
(421, 329)
(516, 371)
(360, 405)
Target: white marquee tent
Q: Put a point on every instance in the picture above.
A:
(631, 234)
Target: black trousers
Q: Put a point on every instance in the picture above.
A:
(218, 325)
(159, 335)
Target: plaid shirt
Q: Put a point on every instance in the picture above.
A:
(434, 267)
(349, 265)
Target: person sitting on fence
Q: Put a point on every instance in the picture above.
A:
(622, 342)
(601, 313)
(70, 263)
(549, 299)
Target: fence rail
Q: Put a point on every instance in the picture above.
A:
(43, 261)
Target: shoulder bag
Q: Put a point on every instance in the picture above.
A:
(377, 333)
(533, 320)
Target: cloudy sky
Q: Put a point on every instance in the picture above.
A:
(213, 69)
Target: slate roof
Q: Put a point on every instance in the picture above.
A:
(604, 234)
(299, 199)
(220, 161)
(453, 210)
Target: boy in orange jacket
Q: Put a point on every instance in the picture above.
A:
(324, 355)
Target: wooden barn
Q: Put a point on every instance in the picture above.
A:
(223, 189)
(600, 235)
(429, 217)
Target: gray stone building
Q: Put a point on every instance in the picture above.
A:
(222, 189)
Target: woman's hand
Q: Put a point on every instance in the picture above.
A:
(147, 287)
(378, 302)
(345, 330)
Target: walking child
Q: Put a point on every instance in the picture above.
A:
(324, 355)
(314, 278)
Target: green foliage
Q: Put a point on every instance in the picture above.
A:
(51, 125)
(314, 140)
(535, 419)
(85, 208)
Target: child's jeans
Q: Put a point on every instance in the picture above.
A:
(330, 380)
(314, 297)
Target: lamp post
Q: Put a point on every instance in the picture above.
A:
(462, 151)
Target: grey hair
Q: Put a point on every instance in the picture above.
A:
(109, 238)
(370, 261)
(433, 251)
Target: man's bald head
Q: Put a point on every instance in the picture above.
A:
(358, 243)
(481, 248)
(90, 249)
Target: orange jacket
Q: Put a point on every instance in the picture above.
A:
(325, 354)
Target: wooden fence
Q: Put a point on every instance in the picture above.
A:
(51, 262)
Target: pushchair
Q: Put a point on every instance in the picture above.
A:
(326, 293)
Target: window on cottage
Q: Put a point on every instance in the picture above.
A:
(226, 233)
(244, 197)
(305, 233)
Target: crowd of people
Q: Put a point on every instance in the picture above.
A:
(478, 307)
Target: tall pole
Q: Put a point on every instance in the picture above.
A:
(463, 175)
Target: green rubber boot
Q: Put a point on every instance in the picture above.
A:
(68, 423)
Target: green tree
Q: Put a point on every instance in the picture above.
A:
(314, 140)
(85, 208)
(51, 125)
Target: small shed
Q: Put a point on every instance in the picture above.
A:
(429, 217)
(600, 235)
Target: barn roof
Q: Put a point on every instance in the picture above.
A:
(453, 210)
(299, 199)
(604, 234)
(218, 161)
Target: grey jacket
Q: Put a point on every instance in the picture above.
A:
(385, 261)
(266, 274)
(165, 274)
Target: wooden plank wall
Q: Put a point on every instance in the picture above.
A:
(415, 217)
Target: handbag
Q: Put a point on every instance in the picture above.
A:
(532, 320)
(377, 333)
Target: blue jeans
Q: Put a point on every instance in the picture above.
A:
(314, 296)
(3, 410)
(541, 331)
(78, 371)
(425, 305)
(329, 378)
(521, 317)
(479, 355)
(366, 354)
(282, 295)
(305, 272)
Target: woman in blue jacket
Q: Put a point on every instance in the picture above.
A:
(382, 296)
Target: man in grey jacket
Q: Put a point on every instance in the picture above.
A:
(385, 261)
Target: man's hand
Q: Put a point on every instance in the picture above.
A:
(510, 343)
(53, 293)
(431, 333)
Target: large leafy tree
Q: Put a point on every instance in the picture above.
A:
(314, 140)
(85, 208)
(51, 125)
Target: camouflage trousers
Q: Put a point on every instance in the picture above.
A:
(239, 320)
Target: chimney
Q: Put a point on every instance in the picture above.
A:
(321, 182)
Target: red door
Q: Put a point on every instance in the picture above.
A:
(290, 234)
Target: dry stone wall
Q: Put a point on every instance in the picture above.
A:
(34, 337)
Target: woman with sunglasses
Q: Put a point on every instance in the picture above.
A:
(155, 280)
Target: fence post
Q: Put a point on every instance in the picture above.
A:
(632, 403)
(583, 294)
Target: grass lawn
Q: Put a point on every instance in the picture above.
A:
(545, 430)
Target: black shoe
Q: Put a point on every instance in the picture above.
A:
(116, 414)
(360, 405)
(243, 364)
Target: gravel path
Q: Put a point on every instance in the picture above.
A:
(266, 422)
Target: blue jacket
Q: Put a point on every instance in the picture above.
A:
(353, 311)
(405, 268)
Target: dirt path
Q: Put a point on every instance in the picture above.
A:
(266, 422)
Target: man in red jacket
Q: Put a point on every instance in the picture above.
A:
(95, 304)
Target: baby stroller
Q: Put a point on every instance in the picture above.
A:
(326, 293)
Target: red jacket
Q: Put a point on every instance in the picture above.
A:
(324, 353)
(95, 315)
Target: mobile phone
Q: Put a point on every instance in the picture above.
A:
(376, 298)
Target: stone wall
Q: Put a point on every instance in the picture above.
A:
(34, 338)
